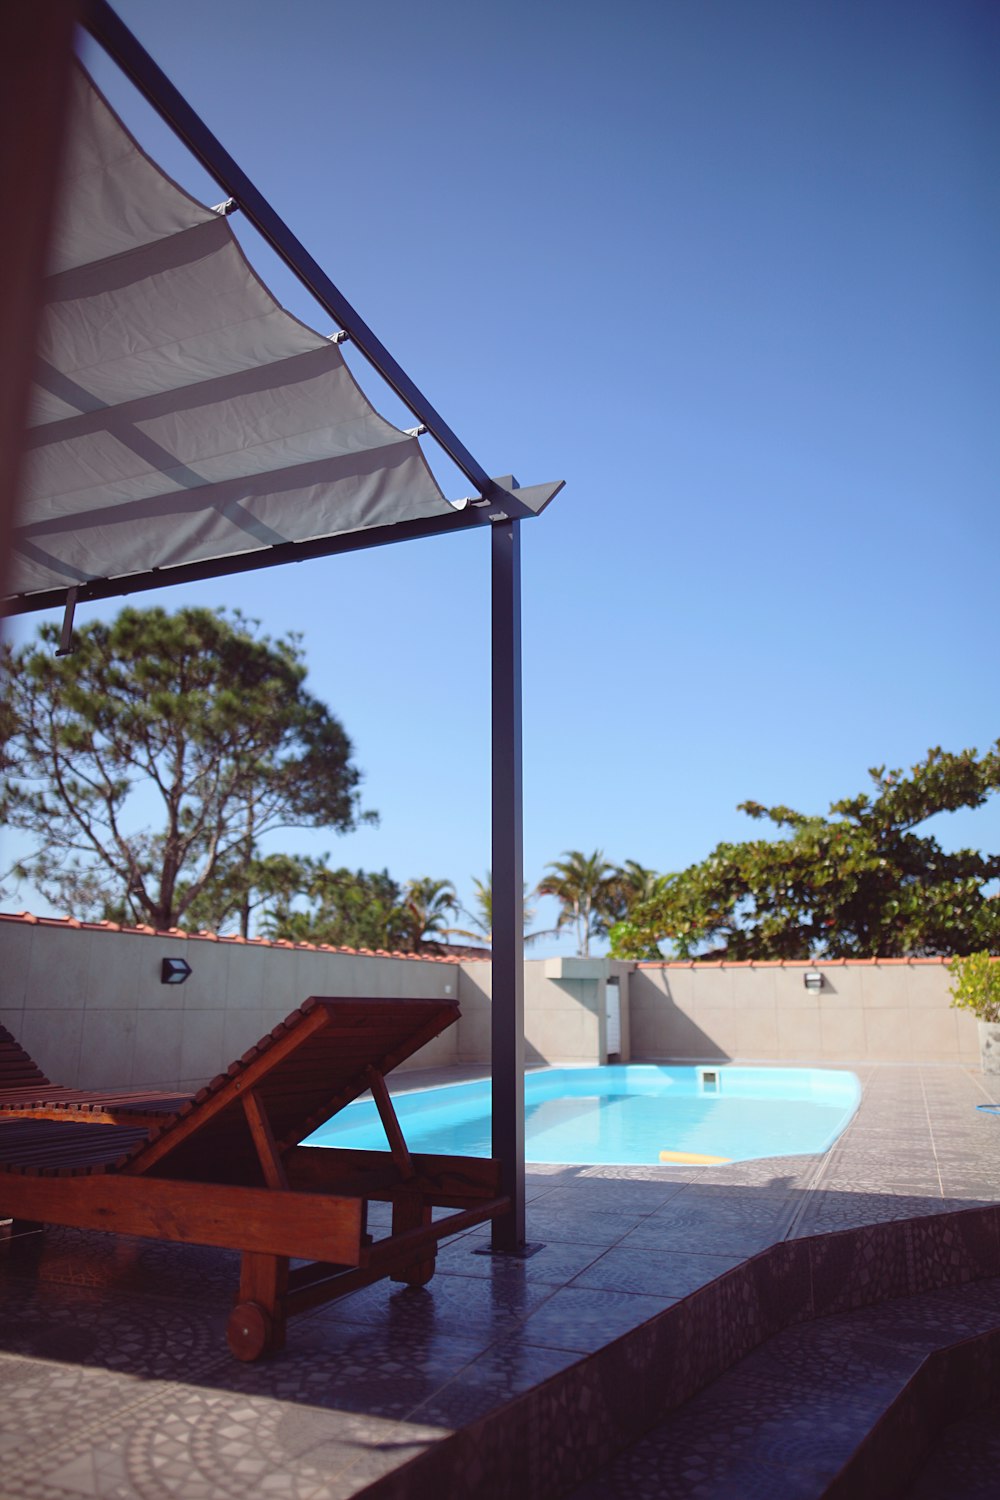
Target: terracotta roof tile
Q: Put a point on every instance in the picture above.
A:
(204, 936)
(786, 963)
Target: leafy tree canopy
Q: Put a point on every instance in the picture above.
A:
(358, 909)
(149, 764)
(861, 883)
(346, 908)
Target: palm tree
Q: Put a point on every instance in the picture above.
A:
(631, 885)
(482, 917)
(427, 902)
(583, 886)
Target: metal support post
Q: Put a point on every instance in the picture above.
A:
(508, 884)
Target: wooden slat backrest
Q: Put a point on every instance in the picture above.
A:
(302, 1072)
(17, 1069)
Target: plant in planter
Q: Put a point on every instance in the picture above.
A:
(977, 988)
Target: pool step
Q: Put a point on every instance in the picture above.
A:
(846, 1407)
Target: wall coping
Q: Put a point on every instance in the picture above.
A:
(789, 963)
(75, 924)
(204, 936)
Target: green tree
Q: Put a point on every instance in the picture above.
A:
(865, 882)
(347, 908)
(428, 904)
(629, 886)
(150, 763)
(582, 884)
(243, 890)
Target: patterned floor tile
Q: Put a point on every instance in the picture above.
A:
(653, 1272)
(748, 1208)
(558, 1226)
(348, 1368)
(161, 1338)
(931, 1321)
(554, 1264)
(844, 1355)
(505, 1371)
(210, 1445)
(449, 1305)
(580, 1319)
(612, 1196)
(707, 1238)
(42, 1400)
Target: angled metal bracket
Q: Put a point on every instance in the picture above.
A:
(66, 647)
(501, 501)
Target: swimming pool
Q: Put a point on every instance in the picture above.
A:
(627, 1114)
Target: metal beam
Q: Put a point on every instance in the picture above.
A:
(534, 498)
(247, 562)
(508, 885)
(114, 36)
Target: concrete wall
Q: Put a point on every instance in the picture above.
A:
(564, 1010)
(889, 1010)
(88, 1004)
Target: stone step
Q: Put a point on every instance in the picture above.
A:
(847, 1407)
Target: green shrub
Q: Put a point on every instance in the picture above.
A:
(976, 986)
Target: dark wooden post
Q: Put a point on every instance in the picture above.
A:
(508, 884)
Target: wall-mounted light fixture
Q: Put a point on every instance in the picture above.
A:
(174, 970)
(813, 980)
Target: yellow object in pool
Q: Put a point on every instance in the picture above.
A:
(693, 1159)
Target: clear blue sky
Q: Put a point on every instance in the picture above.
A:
(727, 268)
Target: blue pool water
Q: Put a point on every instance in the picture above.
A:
(627, 1114)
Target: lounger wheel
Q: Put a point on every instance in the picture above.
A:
(248, 1332)
(417, 1273)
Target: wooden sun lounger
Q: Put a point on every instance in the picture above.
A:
(26, 1091)
(226, 1167)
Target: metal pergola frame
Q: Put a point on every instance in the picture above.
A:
(500, 507)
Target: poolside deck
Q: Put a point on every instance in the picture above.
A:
(501, 1376)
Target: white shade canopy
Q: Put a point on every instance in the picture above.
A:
(179, 414)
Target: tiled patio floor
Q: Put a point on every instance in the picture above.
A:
(116, 1382)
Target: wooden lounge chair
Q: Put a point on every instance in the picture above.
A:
(25, 1090)
(226, 1167)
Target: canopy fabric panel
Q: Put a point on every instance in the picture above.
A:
(179, 414)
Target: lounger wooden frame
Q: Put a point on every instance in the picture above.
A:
(226, 1167)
